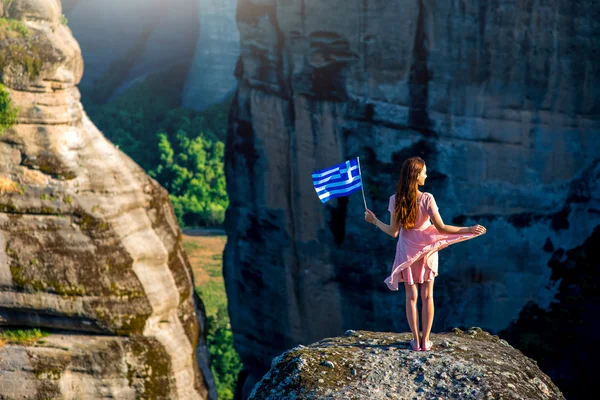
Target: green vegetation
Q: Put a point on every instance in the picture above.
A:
(64, 20)
(191, 246)
(181, 148)
(225, 362)
(22, 336)
(8, 113)
(213, 295)
(192, 172)
(17, 48)
(10, 27)
(205, 254)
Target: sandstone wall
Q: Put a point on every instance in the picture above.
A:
(88, 241)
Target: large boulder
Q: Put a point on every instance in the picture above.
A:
(381, 365)
(88, 241)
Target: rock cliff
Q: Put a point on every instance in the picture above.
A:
(211, 78)
(89, 244)
(197, 37)
(380, 365)
(500, 99)
(124, 41)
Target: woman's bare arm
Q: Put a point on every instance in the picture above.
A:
(392, 229)
(437, 221)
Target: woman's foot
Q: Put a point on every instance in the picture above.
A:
(413, 345)
(427, 344)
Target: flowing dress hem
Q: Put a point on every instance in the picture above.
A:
(393, 280)
(435, 274)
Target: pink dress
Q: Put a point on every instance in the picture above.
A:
(416, 259)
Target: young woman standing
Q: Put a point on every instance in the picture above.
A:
(419, 240)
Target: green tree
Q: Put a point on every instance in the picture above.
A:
(131, 128)
(225, 362)
(182, 148)
(191, 169)
(8, 113)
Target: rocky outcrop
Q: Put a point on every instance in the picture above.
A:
(211, 77)
(123, 42)
(197, 37)
(377, 365)
(91, 367)
(88, 242)
(504, 114)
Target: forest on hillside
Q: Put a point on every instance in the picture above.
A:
(181, 148)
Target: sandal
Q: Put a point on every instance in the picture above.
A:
(427, 346)
(412, 345)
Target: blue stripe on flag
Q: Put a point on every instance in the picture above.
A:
(338, 180)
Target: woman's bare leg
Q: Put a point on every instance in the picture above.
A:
(427, 310)
(411, 310)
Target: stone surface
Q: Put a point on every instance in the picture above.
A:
(201, 35)
(381, 365)
(552, 336)
(505, 115)
(91, 367)
(88, 241)
(211, 77)
(124, 41)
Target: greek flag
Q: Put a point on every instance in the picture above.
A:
(338, 180)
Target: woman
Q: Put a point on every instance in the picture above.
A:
(416, 259)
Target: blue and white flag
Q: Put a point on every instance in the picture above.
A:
(338, 180)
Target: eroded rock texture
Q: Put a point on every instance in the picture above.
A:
(500, 99)
(88, 242)
(380, 365)
(87, 367)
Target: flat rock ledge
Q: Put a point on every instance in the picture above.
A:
(380, 365)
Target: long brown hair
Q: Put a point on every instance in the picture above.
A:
(406, 208)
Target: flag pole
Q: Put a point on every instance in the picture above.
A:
(361, 182)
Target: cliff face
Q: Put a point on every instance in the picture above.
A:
(211, 76)
(504, 113)
(200, 35)
(378, 365)
(88, 242)
(124, 41)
